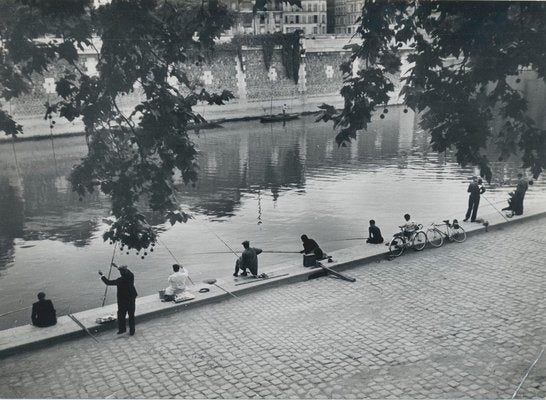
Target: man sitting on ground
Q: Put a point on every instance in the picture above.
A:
(43, 313)
(248, 260)
(177, 282)
(311, 247)
(374, 234)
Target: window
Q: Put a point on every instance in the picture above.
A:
(323, 18)
(286, 19)
(315, 30)
(297, 19)
(315, 8)
(315, 19)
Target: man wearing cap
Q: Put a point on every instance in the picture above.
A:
(475, 189)
(248, 260)
(126, 294)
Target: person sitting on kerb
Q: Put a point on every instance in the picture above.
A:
(177, 282)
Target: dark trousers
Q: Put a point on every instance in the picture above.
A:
(126, 307)
(239, 266)
(473, 203)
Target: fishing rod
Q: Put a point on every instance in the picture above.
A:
(109, 273)
(213, 282)
(354, 238)
(492, 205)
(229, 252)
(174, 257)
(73, 318)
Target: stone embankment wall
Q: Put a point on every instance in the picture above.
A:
(246, 77)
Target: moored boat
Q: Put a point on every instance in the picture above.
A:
(278, 117)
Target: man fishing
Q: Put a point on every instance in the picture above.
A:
(248, 260)
(374, 234)
(475, 189)
(519, 195)
(43, 312)
(310, 246)
(126, 295)
(177, 281)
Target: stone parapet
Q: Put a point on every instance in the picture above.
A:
(28, 337)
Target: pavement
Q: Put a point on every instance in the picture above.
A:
(465, 320)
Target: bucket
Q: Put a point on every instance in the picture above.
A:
(309, 260)
(161, 294)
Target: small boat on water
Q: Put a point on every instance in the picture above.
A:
(278, 117)
(207, 125)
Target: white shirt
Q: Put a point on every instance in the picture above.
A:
(177, 282)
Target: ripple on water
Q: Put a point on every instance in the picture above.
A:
(268, 186)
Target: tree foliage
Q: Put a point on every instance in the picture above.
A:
(134, 156)
(463, 76)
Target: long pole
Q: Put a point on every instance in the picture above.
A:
(174, 257)
(492, 205)
(109, 273)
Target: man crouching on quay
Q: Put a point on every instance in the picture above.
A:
(248, 260)
(126, 297)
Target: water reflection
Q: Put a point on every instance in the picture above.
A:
(269, 183)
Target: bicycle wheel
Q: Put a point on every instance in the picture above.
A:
(435, 237)
(396, 246)
(458, 234)
(419, 241)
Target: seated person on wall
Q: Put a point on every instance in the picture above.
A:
(177, 282)
(43, 313)
(312, 247)
(248, 260)
(409, 227)
(374, 234)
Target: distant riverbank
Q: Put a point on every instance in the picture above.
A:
(36, 127)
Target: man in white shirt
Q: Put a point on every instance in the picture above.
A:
(409, 226)
(177, 281)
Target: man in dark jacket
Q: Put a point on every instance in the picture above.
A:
(311, 247)
(374, 234)
(519, 195)
(126, 297)
(43, 313)
(475, 189)
(248, 260)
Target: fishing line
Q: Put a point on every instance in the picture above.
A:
(218, 237)
(15, 157)
(174, 258)
(14, 311)
(527, 374)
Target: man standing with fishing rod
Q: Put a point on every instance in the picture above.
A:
(126, 295)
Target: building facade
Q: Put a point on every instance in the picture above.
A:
(346, 14)
(311, 17)
(279, 16)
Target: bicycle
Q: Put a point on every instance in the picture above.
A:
(454, 232)
(400, 242)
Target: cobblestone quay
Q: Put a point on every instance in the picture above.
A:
(466, 320)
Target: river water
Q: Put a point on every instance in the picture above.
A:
(265, 183)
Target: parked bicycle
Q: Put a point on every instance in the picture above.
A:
(417, 241)
(454, 232)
